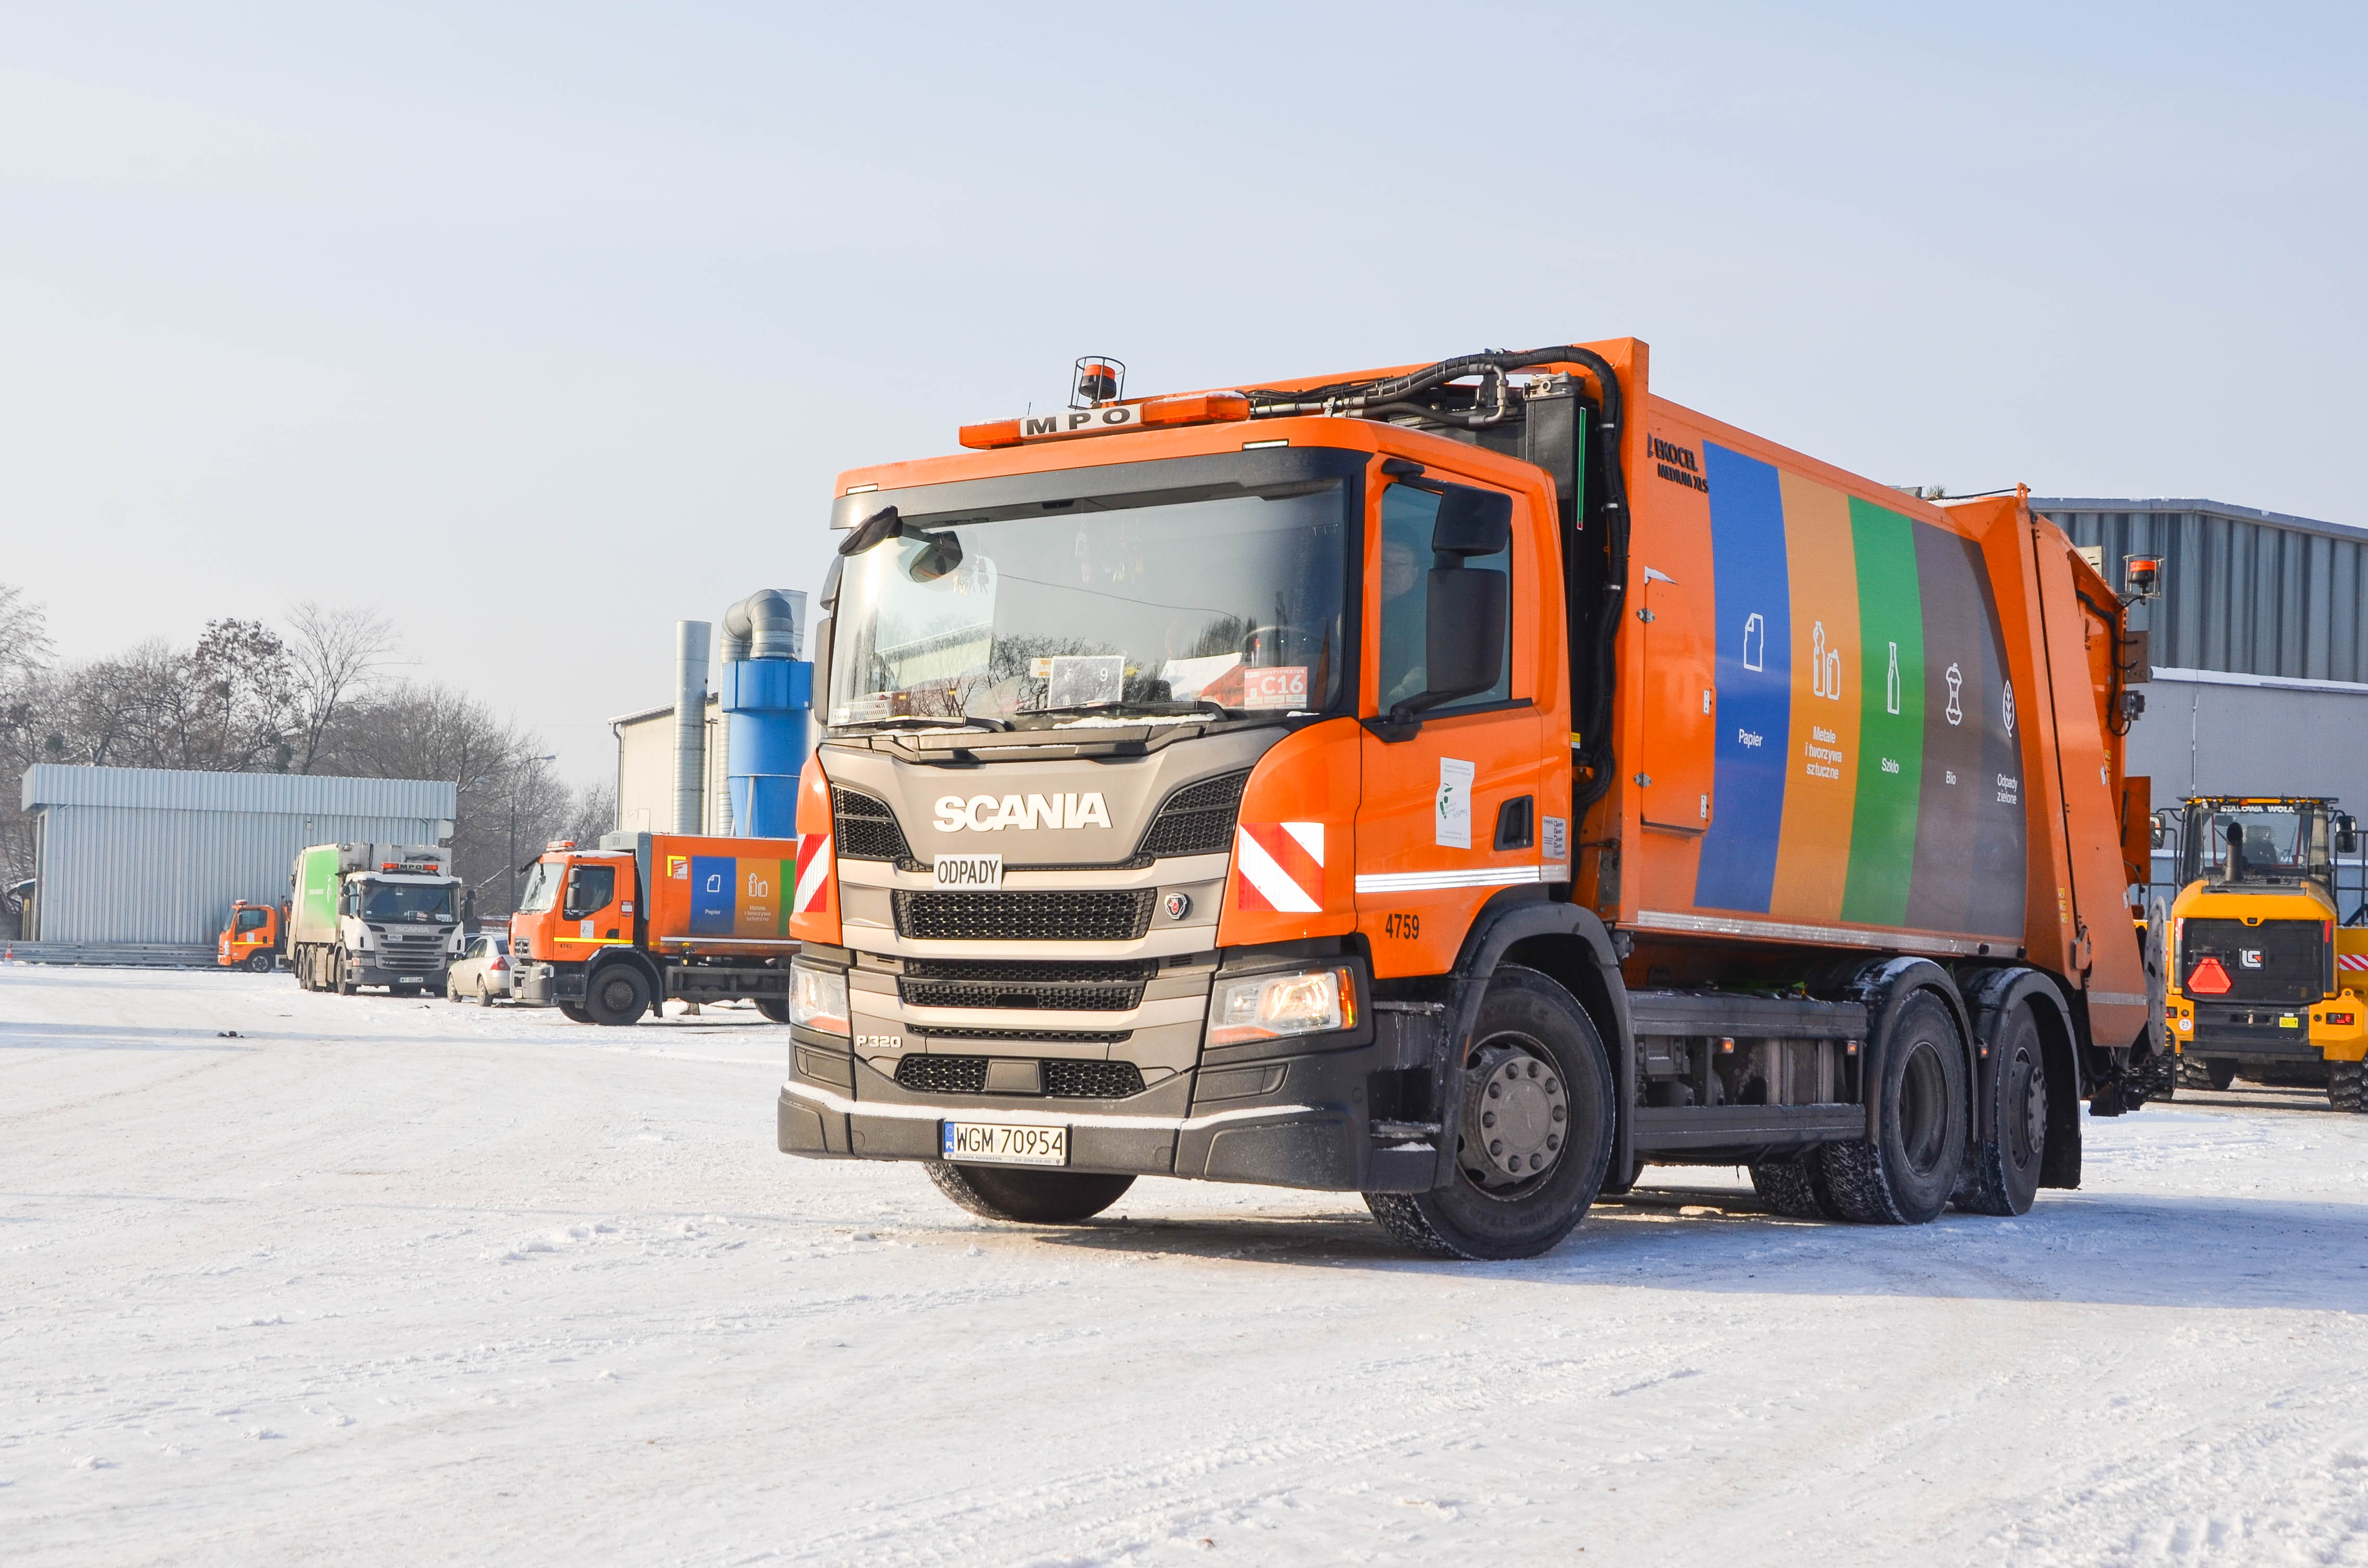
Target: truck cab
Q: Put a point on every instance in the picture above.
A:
(367, 915)
(576, 903)
(249, 939)
(2264, 972)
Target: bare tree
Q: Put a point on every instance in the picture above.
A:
(334, 655)
(24, 639)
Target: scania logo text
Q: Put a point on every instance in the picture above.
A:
(992, 814)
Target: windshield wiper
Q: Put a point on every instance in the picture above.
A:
(1120, 709)
(973, 720)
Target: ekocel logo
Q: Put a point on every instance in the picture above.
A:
(992, 814)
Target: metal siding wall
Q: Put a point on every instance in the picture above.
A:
(117, 874)
(286, 794)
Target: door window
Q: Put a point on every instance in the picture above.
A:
(1407, 518)
(589, 888)
(250, 920)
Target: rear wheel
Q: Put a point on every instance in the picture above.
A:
(1903, 1175)
(774, 1007)
(617, 994)
(1791, 1187)
(574, 1011)
(2347, 1085)
(1535, 1137)
(2006, 1166)
(1030, 1198)
(2206, 1072)
(485, 997)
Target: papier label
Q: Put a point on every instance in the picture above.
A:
(1557, 841)
(1452, 827)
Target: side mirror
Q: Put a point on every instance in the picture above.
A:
(2347, 835)
(2160, 835)
(1463, 643)
(1471, 522)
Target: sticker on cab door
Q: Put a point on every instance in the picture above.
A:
(1451, 825)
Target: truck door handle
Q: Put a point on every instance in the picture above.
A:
(1516, 824)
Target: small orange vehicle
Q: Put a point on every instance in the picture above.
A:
(250, 938)
(606, 935)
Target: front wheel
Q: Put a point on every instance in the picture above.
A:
(1534, 1136)
(574, 1012)
(617, 994)
(774, 1007)
(260, 964)
(1030, 1198)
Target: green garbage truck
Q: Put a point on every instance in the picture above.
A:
(373, 914)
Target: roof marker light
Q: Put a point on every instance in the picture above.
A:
(1200, 408)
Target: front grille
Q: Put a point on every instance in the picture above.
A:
(2291, 961)
(975, 983)
(943, 1074)
(935, 1074)
(1038, 1037)
(864, 828)
(1092, 1080)
(1083, 916)
(1197, 818)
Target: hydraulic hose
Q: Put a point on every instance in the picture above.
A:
(1373, 399)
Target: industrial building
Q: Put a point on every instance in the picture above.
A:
(734, 773)
(2257, 645)
(152, 858)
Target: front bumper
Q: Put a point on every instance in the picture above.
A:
(1303, 1121)
(540, 983)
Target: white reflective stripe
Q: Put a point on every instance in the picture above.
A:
(1421, 881)
(1273, 883)
(2117, 998)
(832, 1102)
(1310, 835)
(1842, 936)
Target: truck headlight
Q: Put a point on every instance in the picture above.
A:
(818, 999)
(1273, 1006)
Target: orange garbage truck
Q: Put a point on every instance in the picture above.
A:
(608, 935)
(250, 938)
(1465, 785)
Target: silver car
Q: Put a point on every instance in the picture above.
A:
(482, 971)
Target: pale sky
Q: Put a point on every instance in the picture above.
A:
(540, 327)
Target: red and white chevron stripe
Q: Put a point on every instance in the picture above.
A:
(2351, 961)
(1282, 866)
(814, 872)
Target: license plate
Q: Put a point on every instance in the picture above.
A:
(967, 870)
(975, 1142)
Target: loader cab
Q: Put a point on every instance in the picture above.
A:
(2266, 844)
(576, 903)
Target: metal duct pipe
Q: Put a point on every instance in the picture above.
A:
(691, 643)
(765, 625)
(766, 692)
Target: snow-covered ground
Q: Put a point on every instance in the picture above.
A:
(376, 1281)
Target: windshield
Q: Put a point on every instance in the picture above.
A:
(1135, 605)
(407, 901)
(2232, 842)
(542, 889)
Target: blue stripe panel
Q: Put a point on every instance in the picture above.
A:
(711, 886)
(1755, 683)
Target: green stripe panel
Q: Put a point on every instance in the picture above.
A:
(1891, 724)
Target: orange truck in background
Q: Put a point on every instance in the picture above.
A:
(250, 938)
(1465, 785)
(606, 935)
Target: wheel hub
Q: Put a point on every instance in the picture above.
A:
(1516, 1118)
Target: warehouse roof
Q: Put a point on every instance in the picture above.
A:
(288, 794)
(2054, 504)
